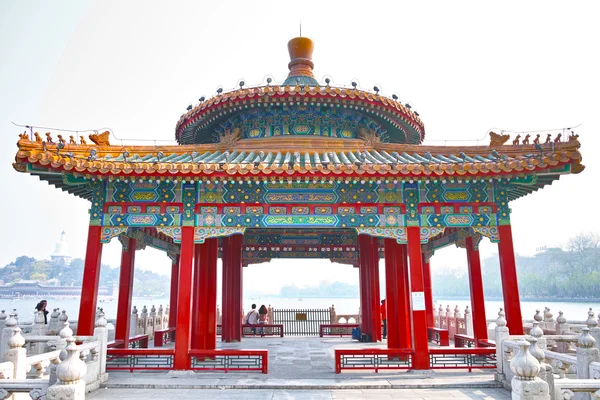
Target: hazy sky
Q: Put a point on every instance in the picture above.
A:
(134, 66)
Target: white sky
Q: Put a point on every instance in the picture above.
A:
(134, 66)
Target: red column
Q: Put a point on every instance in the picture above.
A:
(369, 287)
(173, 293)
(428, 291)
(204, 310)
(417, 288)
(125, 292)
(200, 256)
(232, 289)
(396, 287)
(477, 298)
(210, 286)
(510, 286)
(89, 287)
(184, 297)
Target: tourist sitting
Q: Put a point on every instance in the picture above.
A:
(262, 318)
(252, 318)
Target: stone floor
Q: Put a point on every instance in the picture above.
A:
(302, 368)
(280, 394)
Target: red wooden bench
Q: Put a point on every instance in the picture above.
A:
(164, 336)
(461, 340)
(440, 336)
(336, 329)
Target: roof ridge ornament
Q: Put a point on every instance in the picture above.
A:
(230, 137)
(301, 65)
(370, 137)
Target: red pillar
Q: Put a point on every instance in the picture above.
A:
(428, 291)
(232, 289)
(204, 310)
(89, 287)
(184, 297)
(173, 293)
(125, 292)
(477, 298)
(417, 288)
(200, 256)
(396, 284)
(369, 287)
(210, 286)
(510, 286)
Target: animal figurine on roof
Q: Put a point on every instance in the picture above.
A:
(548, 138)
(557, 138)
(49, 137)
(72, 140)
(38, 138)
(526, 140)
(537, 139)
(82, 140)
(516, 141)
(23, 136)
(498, 139)
(100, 139)
(61, 140)
(573, 136)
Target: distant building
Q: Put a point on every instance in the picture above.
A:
(61, 255)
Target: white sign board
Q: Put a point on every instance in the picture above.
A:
(418, 301)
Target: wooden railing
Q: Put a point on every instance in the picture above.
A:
(462, 358)
(229, 360)
(374, 359)
(139, 359)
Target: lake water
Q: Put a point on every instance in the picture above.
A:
(573, 311)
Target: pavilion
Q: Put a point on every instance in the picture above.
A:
(300, 169)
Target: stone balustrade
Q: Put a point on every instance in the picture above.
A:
(528, 367)
(68, 371)
(147, 321)
(453, 321)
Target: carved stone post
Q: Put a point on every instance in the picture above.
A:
(538, 333)
(500, 335)
(17, 354)
(70, 372)
(101, 335)
(133, 324)
(166, 317)
(7, 333)
(332, 316)
(440, 317)
(525, 384)
(159, 318)
(592, 324)
(270, 314)
(152, 323)
(53, 327)
(38, 329)
(65, 333)
(560, 330)
(469, 322)
(143, 321)
(548, 320)
(545, 373)
(3, 318)
(586, 354)
(63, 320)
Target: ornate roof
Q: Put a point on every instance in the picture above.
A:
(300, 106)
(311, 158)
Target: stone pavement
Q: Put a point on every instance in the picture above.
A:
(280, 394)
(302, 368)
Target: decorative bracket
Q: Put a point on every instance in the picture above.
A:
(392, 233)
(429, 232)
(109, 232)
(490, 232)
(203, 233)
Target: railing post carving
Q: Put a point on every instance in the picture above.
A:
(500, 335)
(526, 385)
(70, 372)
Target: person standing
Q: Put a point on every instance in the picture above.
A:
(383, 312)
(41, 306)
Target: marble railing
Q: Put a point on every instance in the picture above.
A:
(69, 371)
